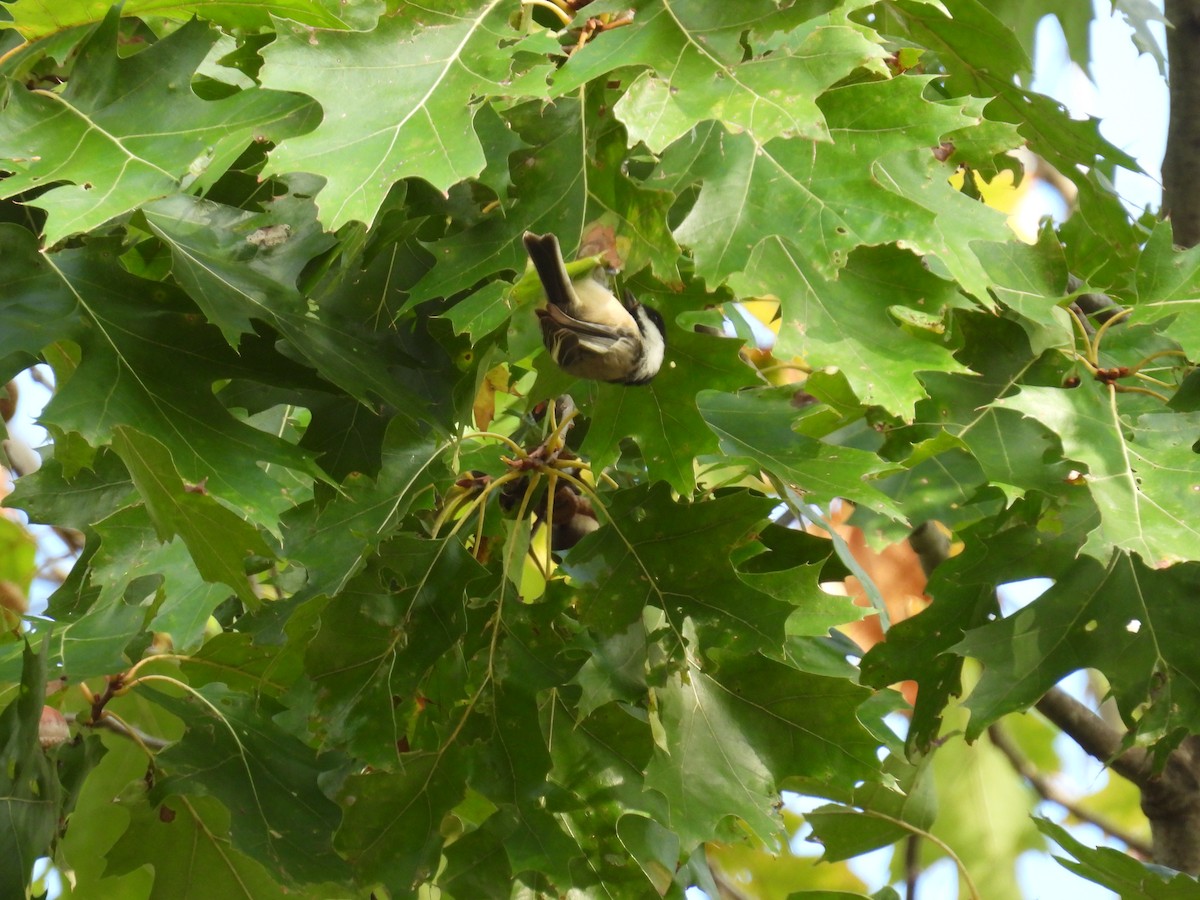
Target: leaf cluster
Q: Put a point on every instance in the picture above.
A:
(272, 255)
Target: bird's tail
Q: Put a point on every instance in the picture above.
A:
(547, 258)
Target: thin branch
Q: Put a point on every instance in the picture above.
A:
(117, 726)
(1048, 790)
(1181, 200)
(912, 866)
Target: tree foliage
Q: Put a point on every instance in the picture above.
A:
(316, 643)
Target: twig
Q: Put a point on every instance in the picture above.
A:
(912, 866)
(124, 729)
(1047, 790)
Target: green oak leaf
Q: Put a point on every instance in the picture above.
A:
(239, 265)
(148, 362)
(1014, 452)
(1032, 281)
(654, 847)
(599, 760)
(1102, 244)
(365, 667)
(185, 842)
(95, 644)
(557, 143)
(499, 142)
(535, 841)
(233, 280)
(758, 426)
(78, 502)
(97, 612)
(873, 186)
(730, 740)
(637, 214)
(1022, 19)
(1117, 618)
(185, 610)
(37, 19)
(1142, 17)
(423, 69)
(476, 862)
(94, 134)
(572, 180)
(483, 311)
(390, 831)
(30, 790)
(237, 661)
(852, 323)
(790, 569)
(696, 69)
(816, 612)
(1168, 288)
(983, 58)
(133, 563)
(267, 779)
(88, 851)
(1006, 547)
(942, 481)
(871, 815)
(645, 556)
(333, 539)
(1141, 471)
(217, 539)
(615, 668)
(35, 307)
(1118, 871)
(602, 756)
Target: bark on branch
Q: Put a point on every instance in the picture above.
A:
(1170, 797)
(1181, 189)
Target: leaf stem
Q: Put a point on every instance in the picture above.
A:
(1158, 354)
(1133, 389)
(1077, 319)
(221, 718)
(935, 840)
(553, 7)
(1103, 329)
(513, 445)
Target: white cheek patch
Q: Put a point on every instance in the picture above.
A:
(654, 345)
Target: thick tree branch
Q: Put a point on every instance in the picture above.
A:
(1181, 198)
(1170, 797)
(1171, 801)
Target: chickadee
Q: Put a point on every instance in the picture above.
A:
(588, 331)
